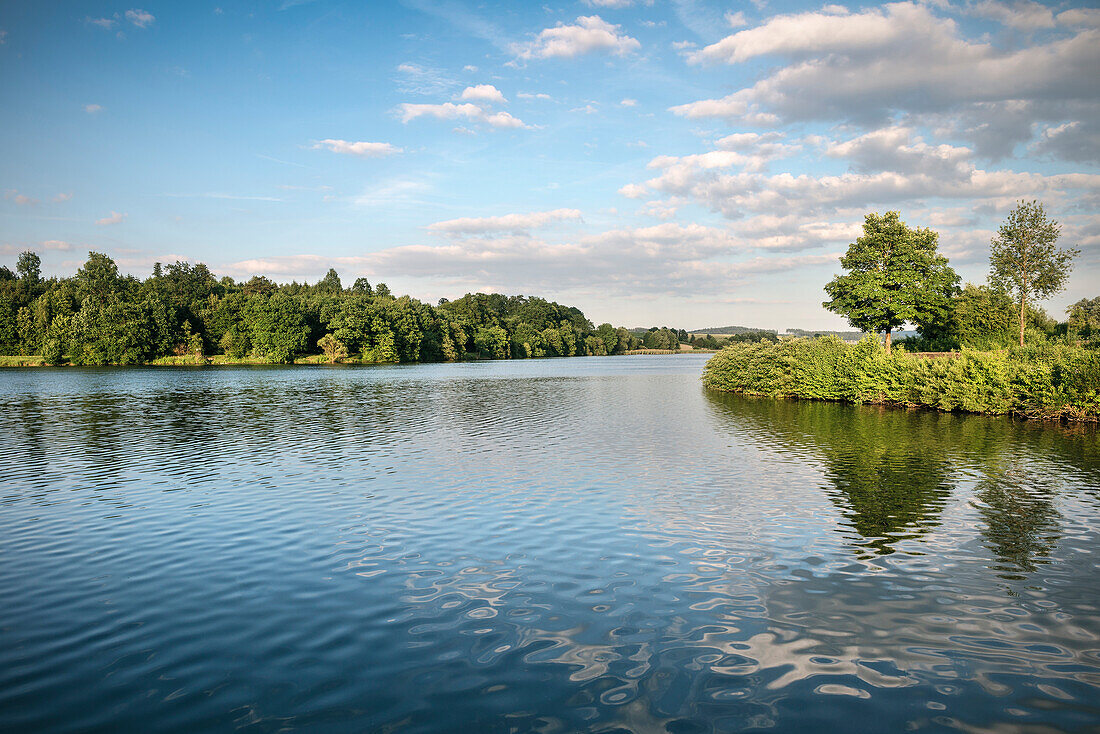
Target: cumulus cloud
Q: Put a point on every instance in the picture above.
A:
(898, 149)
(450, 111)
(140, 18)
(114, 218)
(668, 258)
(871, 66)
(627, 102)
(1077, 140)
(359, 148)
(588, 34)
(736, 20)
(482, 93)
(514, 223)
(529, 95)
(1024, 15)
(60, 245)
(1080, 17)
(634, 191)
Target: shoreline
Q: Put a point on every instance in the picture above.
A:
(218, 360)
(1035, 383)
(1060, 417)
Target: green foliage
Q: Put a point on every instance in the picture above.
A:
(1043, 382)
(1023, 260)
(29, 267)
(333, 348)
(662, 338)
(183, 313)
(277, 327)
(492, 342)
(895, 276)
(1084, 320)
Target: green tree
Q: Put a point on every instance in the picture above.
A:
(278, 330)
(492, 342)
(29, 267)
(331, 282)
(1023, 260)
(895, 276)
(1084, 317)
(333, 348)
(98, 277)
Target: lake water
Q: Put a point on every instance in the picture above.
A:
(561, 545)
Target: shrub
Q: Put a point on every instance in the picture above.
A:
(1041, 381)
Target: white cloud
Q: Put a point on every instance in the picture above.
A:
(359, 148)
(514, 223)
(588, 34)
(482, 93)
(62, 197)
(736, 20)
(902, 59)
(1080, 17)
(92, 109)
(665, 259)
(889, 166)
(423, 80)
(451, 111)
(1077, 140)
(1024, 15)
(470, 68)
(55, 245)
(634, 191)
(114, 218)
(529, 95)
(611, 4)
(104, 23)
(629, 102)
(20, 199)
(140, 18)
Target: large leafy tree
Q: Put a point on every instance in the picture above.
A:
(895, 276)
(1023, 259)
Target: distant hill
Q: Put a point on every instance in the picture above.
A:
(845, 335)
(716, 330)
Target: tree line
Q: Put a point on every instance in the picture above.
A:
(896, 276)
(182, 312)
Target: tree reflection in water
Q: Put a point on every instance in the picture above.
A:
(892, 472)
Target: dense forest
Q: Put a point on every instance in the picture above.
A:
(182, 313)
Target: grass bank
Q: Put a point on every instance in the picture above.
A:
(1048, 382)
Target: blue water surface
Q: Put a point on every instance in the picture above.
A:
(594, 544)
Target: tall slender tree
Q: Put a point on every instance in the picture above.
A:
(1023, 260)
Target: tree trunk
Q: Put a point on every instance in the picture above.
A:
(888, 333)
(1023, 302)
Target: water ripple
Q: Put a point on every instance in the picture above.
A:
(553, 545)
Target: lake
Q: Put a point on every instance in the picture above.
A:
(593, 544)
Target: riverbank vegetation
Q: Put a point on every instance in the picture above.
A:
(182, 314)
(978, 332)
(1042, 381)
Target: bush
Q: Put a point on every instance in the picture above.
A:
(1041, 381)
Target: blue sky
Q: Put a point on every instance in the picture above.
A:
(685, 162)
